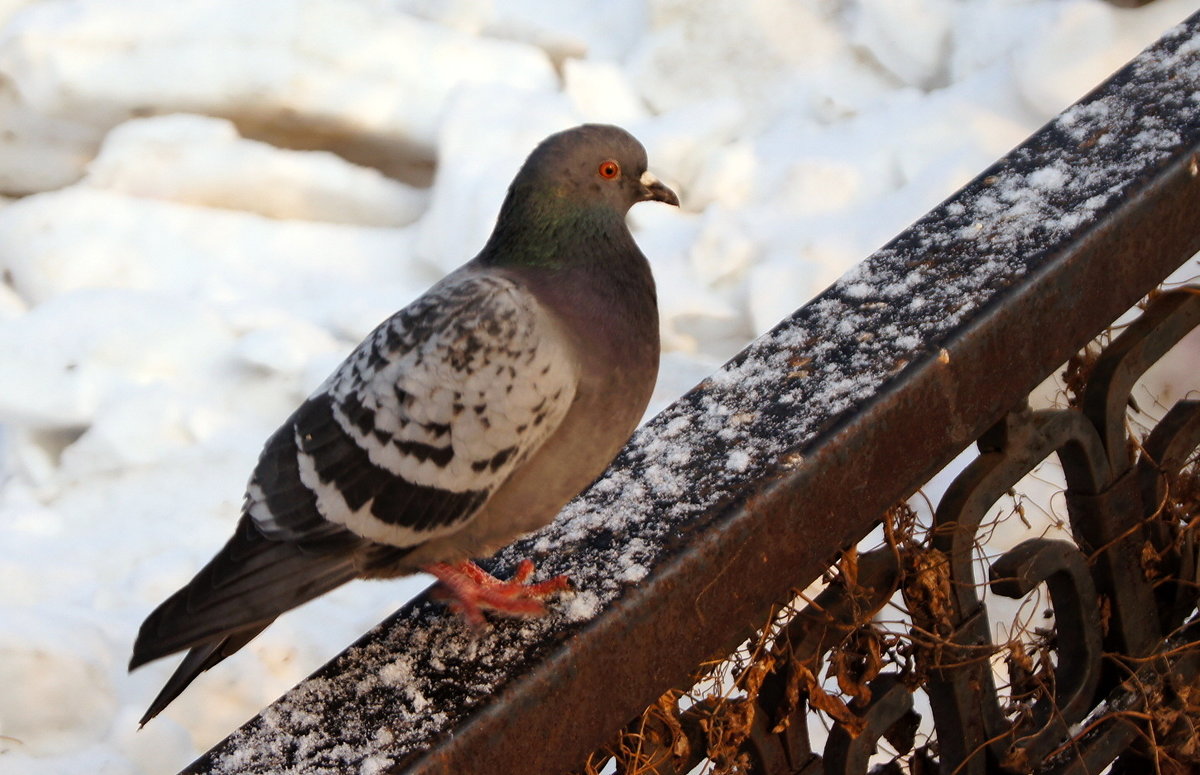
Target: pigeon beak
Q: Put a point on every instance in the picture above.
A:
(653, 190)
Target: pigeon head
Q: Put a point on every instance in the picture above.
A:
(592, 165)
(575, 186)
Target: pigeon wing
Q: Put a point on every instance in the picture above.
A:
(404, 442)
(412, 434)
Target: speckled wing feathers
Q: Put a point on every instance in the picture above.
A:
(424, 420)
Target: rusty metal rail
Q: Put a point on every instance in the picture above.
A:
(750, 484)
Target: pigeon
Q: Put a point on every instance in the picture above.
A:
(465, 420)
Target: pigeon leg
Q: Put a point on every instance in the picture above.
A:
(471, 589)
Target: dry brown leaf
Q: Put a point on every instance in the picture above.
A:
(834, 707)
(927, 590)
(728, 728)
(848, 566)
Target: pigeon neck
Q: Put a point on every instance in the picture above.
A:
(549, 231)
(583, 264)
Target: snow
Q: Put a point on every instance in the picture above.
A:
(192, 236)
(201, 160)
(738, 461)
(345, 67)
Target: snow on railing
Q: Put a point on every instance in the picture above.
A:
(748, 485)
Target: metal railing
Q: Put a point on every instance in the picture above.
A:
(749, 485)
(1123, 639)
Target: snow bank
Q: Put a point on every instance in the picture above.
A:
(311, 67)
(202, 161)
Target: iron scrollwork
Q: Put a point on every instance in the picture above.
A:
(1110, 620)
(1123, 594)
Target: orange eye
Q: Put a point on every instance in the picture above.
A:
(609, 169)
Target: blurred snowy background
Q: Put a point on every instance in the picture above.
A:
(205, 203)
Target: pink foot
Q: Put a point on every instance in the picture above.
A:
(471, 589)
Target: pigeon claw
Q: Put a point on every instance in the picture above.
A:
(470, 590)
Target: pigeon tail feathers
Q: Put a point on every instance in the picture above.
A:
(250, 582)
(199, 659)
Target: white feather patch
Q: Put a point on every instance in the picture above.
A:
(480, 370)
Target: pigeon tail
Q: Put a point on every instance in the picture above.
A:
(198, 660)
(250, 582)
